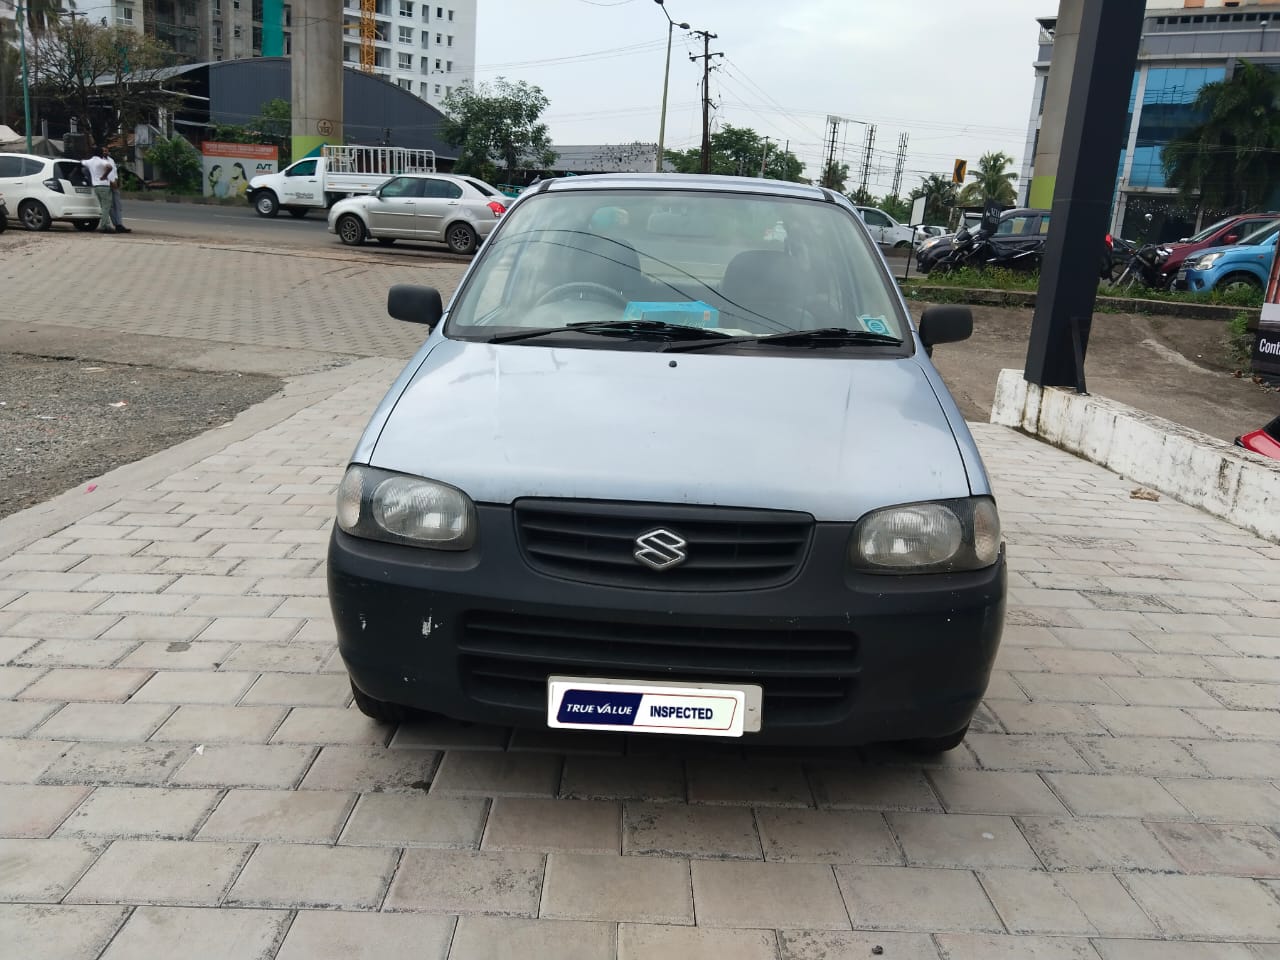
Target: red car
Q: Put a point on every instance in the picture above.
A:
(1224, 233)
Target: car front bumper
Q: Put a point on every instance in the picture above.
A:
(842, 658)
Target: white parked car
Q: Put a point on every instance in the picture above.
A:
(886, 231)
(40, 190)
(457, 211)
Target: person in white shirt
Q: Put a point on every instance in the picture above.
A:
(117, 213)
(101, 170)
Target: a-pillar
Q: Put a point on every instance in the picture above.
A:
(316, 70)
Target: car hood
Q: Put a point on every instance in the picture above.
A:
(830, 437)
(1236, 251)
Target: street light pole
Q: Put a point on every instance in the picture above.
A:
(666, 82)
(26, 88)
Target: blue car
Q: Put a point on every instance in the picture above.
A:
(1245, 265)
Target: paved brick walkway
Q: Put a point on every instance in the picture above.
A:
(182, 773)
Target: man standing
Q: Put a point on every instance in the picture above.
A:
(117, 215)
(100, 171)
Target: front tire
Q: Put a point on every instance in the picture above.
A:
(34, 215)
(461, 238)
(298, 212)
(350, 230)
(379, 710)
(1235, 282)
(266, 204)
(84, 226)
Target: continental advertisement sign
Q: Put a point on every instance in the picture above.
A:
(1266, 346)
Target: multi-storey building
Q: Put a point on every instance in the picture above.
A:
(1185, 45)
(427, 47)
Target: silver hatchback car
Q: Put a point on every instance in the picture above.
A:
(456, 211)
(675, 461)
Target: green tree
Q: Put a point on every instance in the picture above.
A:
(940, 194)
(41, 14)
(738, 152)
(270, 126)
(10, 78)
(177, 162)
(1231, 160)
(497, 123)
(835, 175)
(896, 207)
(991, 181)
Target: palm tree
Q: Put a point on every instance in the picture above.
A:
(991, 181)
(1232, 158)
(941, 196)
(41, 13)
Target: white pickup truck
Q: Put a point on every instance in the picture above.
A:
(317, 183)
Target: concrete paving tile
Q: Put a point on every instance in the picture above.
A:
(1046, 718)
(139, 764)
(1241, 724)
(1242, 759)
(644, 941)
(139, 813)
(151, 604)
(833, 945)
(748, 782)
(1225, 849)
(197, 723)
(1110, 844)
(33, 811)
(194, 686)
(212, 584)
(42, 871)
(75, 653)
(441, 733)
(329, 935)
(234, 608)
(292, 657)
(1149, 722)
(858, 787)
(175, 872)
(1064, 904)
(85, 684)
(1171, 950)
(166, 628)
(462, 881)
(472, 773)
(1067, 688)
(371, 769)
(330, 725)
(991, 792)
(299, 690)
(1227, 908)
(195, 934)
(1115, 795)
(971, 946)
(23, 761)
(40, 580)
(106, 721)
(916, 899)
(285, 816)
(1238, 695)
(14, 680)
(506, 938)
(623, 778)
(826, 836)
(251, 629)
(412, 820)
(302, 875)
(58, 932)
(1228, 801)
(54, 601)
(680, 830)
(1250, 669)
(176, 655)
(1141, 755)
(1094, 662)
(307, 607)
(1161, 692)
(245, 765)
(1189, 666)
(1022, 752)
(601, 887)
(543, 824)
(961, 840)
(1003, 686)
(753, 895)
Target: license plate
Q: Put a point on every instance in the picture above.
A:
(84, 190)
(671, 707)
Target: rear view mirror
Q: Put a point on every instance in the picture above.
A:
(947, 324)
(1231, 238)
(414, 304)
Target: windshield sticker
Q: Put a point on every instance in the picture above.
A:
(875, 325)
(692, 313)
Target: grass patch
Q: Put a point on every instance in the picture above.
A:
(1239, 341)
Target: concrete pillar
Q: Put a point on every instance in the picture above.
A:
(1066, 40)
(316, 71)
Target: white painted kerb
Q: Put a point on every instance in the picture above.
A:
(1190, 466)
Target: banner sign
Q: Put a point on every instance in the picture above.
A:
(228, 167)
(1266, 345)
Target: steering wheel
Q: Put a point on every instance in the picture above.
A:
(585, 289)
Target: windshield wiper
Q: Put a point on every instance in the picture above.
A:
(796, 338)
(669, 331)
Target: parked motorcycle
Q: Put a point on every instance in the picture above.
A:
(1144, 268)
(974, 249)
(1265, 441)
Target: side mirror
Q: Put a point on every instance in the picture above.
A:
(1231, 238)
(414, 304)
(946, 324)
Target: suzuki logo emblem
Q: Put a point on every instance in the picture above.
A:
(660, 549)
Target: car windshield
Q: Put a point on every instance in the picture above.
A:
(1208, 232)
(1261, 235)
(728, 265)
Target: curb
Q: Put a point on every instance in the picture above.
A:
(1192, 467)
(27, 526)
(1027, 298)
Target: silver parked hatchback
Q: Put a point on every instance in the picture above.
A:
(675, 461)
(457, 211)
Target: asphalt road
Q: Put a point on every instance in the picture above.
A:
(225, 223)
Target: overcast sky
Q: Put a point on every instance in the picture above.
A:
(956, 77)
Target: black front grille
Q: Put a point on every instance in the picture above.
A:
(807, 676)
(728, 548)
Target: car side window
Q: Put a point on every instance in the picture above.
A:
(1044, 225)
(450, 191)
(30, 167)
(875, 218)
(305, 168)
(10, 167)
(406, 187)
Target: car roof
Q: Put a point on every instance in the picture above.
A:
(693, 182)
(36, 156)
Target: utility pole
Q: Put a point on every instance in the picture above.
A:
(706, 94)
(765, 158)
(26, 83)
(866, 158)
(828, 169)
(902, 163)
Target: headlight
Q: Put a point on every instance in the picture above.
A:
(380, 505)
(938, 537)
(930, 244)
(1207, 261)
